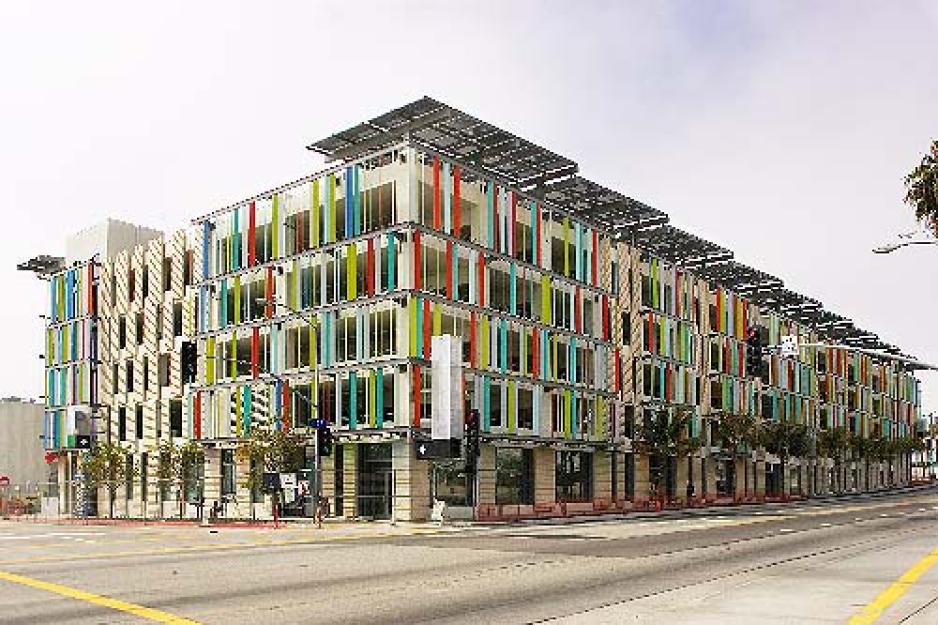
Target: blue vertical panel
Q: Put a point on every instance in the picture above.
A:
(223, 312)
(353, 400)
(206, 236)
(419, 333)
(357, 199)
(571, 360)
(75, 336)
(349, 201)
(278, 404)
(392, 261)
(544, 345)
(455, 272)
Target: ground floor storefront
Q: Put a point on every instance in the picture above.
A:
(382, 478)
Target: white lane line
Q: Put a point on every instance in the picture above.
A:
(825, 524)
(785, 530)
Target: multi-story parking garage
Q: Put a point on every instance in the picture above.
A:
(583, 314)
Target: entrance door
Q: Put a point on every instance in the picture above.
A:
(375, 480)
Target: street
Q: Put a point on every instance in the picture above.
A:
(822, 562)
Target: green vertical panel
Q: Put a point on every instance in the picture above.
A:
(392, 262)
(314, 213)
(351, 265)
(567, 413)
(210, 360)
(331, 208)
(437, 319)
(379, 398)
(545, 300)
(484, 339)
(512, 289)
(312, 346)
(275, 227)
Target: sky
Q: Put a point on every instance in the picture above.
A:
(781, 130)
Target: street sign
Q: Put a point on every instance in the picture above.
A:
(789, 345)
(437, 449)
(4, 480)
(83, 441)
(271, 482)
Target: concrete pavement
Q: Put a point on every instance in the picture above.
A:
(767, 564)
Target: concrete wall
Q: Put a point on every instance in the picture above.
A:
(21, 453)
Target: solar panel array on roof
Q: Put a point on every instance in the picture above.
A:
(552, 178)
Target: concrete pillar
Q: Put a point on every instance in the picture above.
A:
(211, 487)
(486, 475)
(681, 478)
(642, 478)
(602, 475)
(349, 480)
(711, 471)
(743, 480)
(759, 475)
(411, 483)
(545, 474)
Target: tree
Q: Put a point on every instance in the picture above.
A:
(105, 464)
(922, 189)
(271, 450)
(786, 440)
(833, 443)
(738, 432)
(665, 435)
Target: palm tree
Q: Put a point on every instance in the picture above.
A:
(922, 189)
(663, 435)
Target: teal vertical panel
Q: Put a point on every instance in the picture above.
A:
(392, 261)
(544, 345)
(535, 227)
(223, 296)
(490, 212)
(455, 272)
(574, 406)
(486, 414)
(379, 397)
(246, 416)
(353, 400)
(571, 360)
(512, 289)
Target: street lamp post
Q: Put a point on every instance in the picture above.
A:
(892, 247)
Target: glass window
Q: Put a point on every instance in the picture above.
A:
(574, 476)
(228, 486)
(514, 476)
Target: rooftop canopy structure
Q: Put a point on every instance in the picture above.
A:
(679, 247)
(455, 134)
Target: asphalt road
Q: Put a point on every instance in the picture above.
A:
(811, 563)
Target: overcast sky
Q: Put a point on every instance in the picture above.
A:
(780, 130)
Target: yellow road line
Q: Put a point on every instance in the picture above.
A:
(875, 608)
(151, 614)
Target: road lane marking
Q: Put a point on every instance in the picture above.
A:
(151, 614)
(894, 591)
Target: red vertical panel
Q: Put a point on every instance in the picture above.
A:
(449, 269)
(252, 231)
(595, 272)
(436, 194)
(535, 353)
(618, 370)
(91, 288)
(298, 233)
(426, 329)
(416, 385)
(255, 351)
(576, 309)
(668, 383)
(651, 333)
(741, 356)
(457, 210)
(481, 280)
(197, 415)
(417, 262)
(606, 333)
(285, 403)
(370, 268)
(472, 339)
(513, 225)
(269, 293)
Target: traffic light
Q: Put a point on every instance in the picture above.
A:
(754, 352)
(324, 441)
(472, 437)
